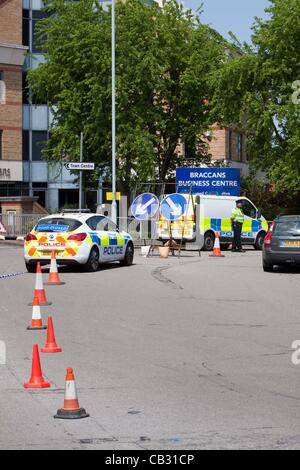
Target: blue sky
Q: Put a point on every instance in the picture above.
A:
(230, 15)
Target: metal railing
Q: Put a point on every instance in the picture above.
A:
(16, 225)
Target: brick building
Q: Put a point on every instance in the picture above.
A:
(12, 55)
(229, 145)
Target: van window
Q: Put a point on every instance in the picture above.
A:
(249, 209)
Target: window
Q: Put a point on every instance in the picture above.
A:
(2, 89)
(25, 88)
(248, 209)
(287, 228)
(39, 138)
(1, 144)
(63, 225)
(97, 223)
(39, 190)
(37, 15)
(25, 146)
(26, 27)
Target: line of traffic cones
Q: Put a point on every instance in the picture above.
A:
(217, 248)
(71, 408)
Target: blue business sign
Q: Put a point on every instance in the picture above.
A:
(212, 181)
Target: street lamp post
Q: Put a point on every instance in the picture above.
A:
(113, 106)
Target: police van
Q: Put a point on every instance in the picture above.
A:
(214, 215)
(77, 238)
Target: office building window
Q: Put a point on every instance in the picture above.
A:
(26, 28)
(2, 88)
(25, 146)
(27, 22)
(25, 88)
(39, 190)
(39, 138)
(1, 144)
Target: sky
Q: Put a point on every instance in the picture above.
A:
(230, 15)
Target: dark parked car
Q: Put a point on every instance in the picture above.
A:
(282, 243)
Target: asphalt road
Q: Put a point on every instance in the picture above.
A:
(168, 354)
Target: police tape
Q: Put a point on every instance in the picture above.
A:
(6, 276)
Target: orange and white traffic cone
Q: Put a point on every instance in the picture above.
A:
(217, 248)
(36, 321)
(36, 380)
(39, 287)
(54, 279)
(51, 346)
(71, 409)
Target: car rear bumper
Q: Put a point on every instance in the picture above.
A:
(279, 257)
(78, 259)
(44, 262)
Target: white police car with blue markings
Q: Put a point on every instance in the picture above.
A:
(77, 238)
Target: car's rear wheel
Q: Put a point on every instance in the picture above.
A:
(31, 267)
(267, 267)
(128, 259)
(93, 262)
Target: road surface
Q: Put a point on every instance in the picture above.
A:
(168, 354)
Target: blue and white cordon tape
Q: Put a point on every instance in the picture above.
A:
(7, 276)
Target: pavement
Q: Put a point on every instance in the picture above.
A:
(189, 353)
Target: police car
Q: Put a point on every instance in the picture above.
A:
(77, 238)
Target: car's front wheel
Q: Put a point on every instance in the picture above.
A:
(93, 262)
(128, 259)
(31, 267)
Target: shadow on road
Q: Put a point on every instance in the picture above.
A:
(287, 269)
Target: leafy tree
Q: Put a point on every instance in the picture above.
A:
(256, 87)
(165, 62)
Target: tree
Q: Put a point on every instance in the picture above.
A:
(165, 62)
(256, 89)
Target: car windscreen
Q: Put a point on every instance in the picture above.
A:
(57, 224)
(287, 228)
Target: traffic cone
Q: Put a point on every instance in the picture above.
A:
(36, 321)
(217, 249)
(54, 279)
(36, 380)
(39, 287)
(71, 409)
(50, 346)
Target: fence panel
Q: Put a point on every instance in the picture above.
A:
(19, 225)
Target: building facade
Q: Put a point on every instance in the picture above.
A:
(53, 185)
(24, 125)
(12, 55)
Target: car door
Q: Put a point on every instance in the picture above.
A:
(111, 248)
(251, 225)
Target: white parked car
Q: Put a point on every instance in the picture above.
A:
(77, 238)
